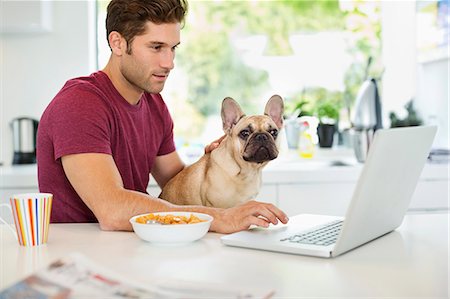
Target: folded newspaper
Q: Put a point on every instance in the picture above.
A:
(78, 277)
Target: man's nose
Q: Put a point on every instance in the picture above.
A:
(167, 60)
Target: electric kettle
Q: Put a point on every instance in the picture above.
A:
(366, 118)
(24, 131)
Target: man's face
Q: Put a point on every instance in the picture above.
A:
(148, 65)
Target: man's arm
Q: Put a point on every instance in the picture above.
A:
(97, 181)
(166, 167)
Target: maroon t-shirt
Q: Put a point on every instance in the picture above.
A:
(89, 115)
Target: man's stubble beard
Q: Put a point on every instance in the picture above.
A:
(133, 74)
(140, 82)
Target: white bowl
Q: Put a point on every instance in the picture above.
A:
(172, 233)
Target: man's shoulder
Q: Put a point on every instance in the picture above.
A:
(94, 82)
(82, 90)
(80, 97)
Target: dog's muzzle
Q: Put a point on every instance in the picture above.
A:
(260, 148)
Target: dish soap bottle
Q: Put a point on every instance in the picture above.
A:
(306, 144)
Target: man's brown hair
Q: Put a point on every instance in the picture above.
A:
(128, 17)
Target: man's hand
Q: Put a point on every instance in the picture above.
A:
(209, 148)
(242, 216)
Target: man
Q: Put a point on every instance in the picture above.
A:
(102, 135)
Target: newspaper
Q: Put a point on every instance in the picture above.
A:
(75, 276)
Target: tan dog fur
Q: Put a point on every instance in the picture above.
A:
(231, 174)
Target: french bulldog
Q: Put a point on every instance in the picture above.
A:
(231, 173)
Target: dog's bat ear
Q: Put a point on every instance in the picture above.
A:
(231, 113)
(275, 110)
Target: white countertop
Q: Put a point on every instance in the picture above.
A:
(410, 262)
(289, 167)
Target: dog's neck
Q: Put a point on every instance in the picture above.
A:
(223, 156)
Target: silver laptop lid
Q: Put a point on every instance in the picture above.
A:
(386, 184)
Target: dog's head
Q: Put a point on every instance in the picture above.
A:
(254, 138)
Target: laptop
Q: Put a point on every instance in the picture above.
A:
(379, 203)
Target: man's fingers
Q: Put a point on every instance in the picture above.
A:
(271, 212)
(220, 139)
(278, 213)
(211, 147)
(259, 221)
(267, 215)
(250, 213)
(215, 144)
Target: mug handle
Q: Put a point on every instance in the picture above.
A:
(4, 222)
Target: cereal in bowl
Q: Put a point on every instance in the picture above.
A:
(169, 219)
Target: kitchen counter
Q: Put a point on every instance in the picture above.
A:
(328, 165)
(410, 262)
(321, 185)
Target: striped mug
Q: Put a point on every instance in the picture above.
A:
(31, 214)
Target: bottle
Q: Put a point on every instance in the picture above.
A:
(306, 144)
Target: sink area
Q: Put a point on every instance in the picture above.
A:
(322, 159)
(340, 163)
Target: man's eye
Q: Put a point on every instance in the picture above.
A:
(274, 133)
(244, 134)
(156, 48)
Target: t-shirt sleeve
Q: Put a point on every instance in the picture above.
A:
(80, 124)
(167, 143)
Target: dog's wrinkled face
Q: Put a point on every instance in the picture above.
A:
(255, 138)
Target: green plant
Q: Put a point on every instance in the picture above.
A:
(310, 98)
(327, 112)
(298, 108)
(412, 119)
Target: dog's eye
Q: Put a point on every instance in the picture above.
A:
(274, 133)
(244, 134)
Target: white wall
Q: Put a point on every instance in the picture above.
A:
(398, 54)
(408, 76)
(433, 95)
(35, 65)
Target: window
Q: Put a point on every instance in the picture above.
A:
(250, 50)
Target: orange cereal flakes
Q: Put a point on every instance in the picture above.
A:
(169, 219)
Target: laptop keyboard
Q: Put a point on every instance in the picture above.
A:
(323, 235)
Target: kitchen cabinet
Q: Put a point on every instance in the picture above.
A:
(296, 186)
(430, 195)
(15, 180)
(319, 188)
(315, 198)
(333, 198)
(5, 193)
(268, 193)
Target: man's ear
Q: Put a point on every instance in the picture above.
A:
(117, 43)
(231, 114)
(275, 110)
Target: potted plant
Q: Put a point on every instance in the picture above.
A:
(328, 114)
(412, 119)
